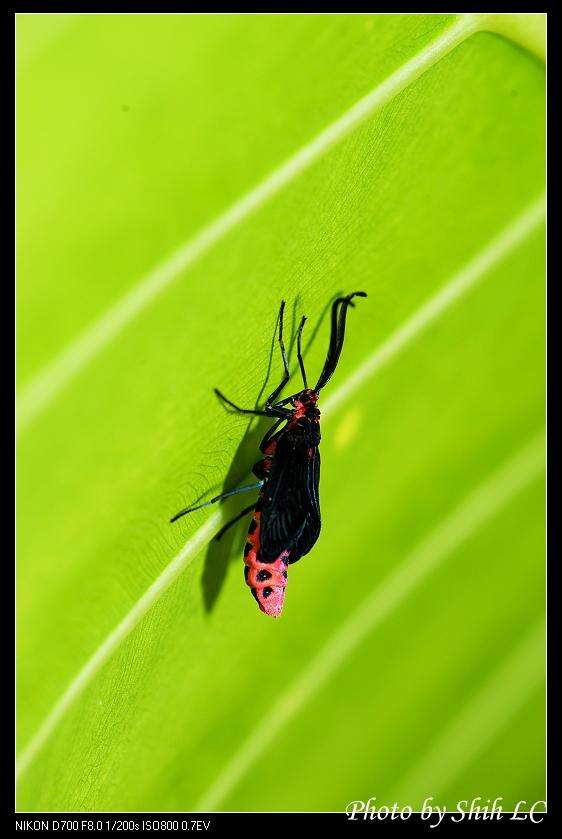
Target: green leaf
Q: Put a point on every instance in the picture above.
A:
(177, 177)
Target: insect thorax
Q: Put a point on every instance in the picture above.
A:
(305, 431)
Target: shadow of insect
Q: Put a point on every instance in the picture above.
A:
(229, 547)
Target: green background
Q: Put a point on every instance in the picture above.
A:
(133, 132)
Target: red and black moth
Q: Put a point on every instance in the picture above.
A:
(286, 516)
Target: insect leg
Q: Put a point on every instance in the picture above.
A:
(270, 411)
(286, 374)
(269, 434)
(217, 498)
(299, 352)
(240, 515)
(236, 408)
(279, 405)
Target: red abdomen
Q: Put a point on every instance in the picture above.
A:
(267, 580)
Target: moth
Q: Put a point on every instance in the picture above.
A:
(286, 519)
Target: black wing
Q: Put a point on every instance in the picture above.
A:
(289, 503)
